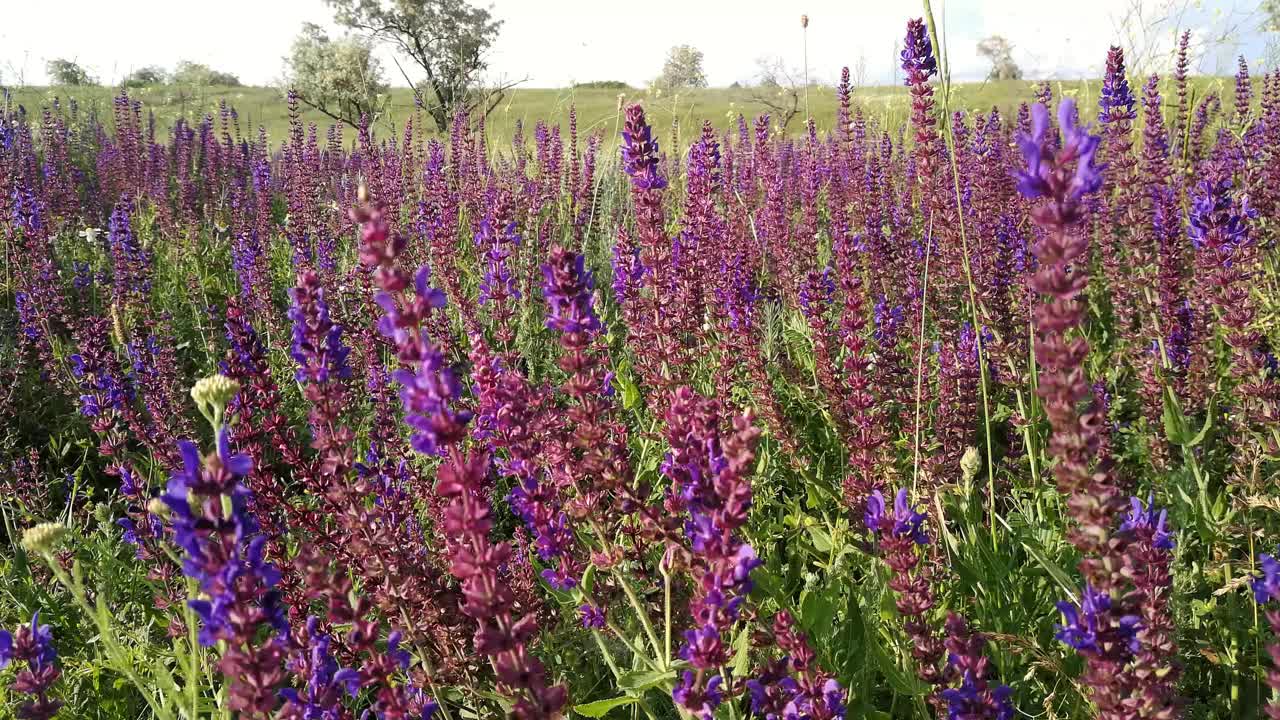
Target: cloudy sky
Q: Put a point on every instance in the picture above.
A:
(557, 42)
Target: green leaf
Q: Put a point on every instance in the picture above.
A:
(1052, 568)
(645, 679)
(850, 640)
(885, 663)
(588, 580)
(1174, 422)
(600, 708)
(1204, 429)
(816, 613)
(742, 653)
(821, 538)
(503, 701)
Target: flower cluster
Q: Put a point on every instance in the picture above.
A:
(899, 535)
(903, 522)
(475, 561)
(710, 485)
(973, 698)
(1047, 173)
(429, 384)
(223, 552)
(1092, 627)
(794, 687)
(1216, 223)
(1266, 591)
(32, 645)
(1116, 101)
(917, 52)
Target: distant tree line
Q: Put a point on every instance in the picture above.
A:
(601, 85)
(69, 72)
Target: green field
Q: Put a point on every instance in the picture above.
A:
(597, 109)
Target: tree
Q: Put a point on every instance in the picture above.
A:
(447, 39)
(201, 75)
(777, 89)
(683, 69)
(1000, 52)
(68, 72)
(143, 76)
(340, 78)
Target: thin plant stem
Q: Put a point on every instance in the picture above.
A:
(968, 276)
(924, 306)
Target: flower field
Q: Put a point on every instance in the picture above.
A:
(975, 416)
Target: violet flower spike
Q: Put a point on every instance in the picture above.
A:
(1078, 145)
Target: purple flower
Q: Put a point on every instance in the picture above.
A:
(32, 645)
(970, 702)
(559, 580)
(1116, 101)
(497, 283)
(593, 617)
(888, 320)
(1092, 627)
(1149, 520)
(428, 395)
(904, 522)
(701, 701)
(568, 296)
(397, 653)
(1044, 167)
(917, 51)
(1215, 222)
(222, 550)
(321, 699)
(317, 340)
(640, 152)
(1266, 587)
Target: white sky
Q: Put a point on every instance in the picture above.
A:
(556, 42)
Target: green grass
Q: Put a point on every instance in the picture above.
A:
(597, 109)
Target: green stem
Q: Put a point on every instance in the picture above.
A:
(109, 641)
(924, 305)
(666, 607)
(197, 655)
(622, 637)
(968, 276)
(613, 667)
(643, 615)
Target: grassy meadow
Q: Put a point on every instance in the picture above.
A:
(597, 109)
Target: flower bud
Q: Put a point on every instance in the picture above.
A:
(42, 538)
(157, 507)
(212, 395)
(970, 463)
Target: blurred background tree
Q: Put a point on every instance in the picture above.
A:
(201, 75)
(68, 72)
(144, 76)
(683, 69)
(340, 78)
(446, 39)
(778, 90)
(999, 51)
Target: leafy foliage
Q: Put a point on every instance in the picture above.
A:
(341, 78)
(446, 39)
(682, 69)
(68, 72)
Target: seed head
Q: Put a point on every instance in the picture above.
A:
(212, 394)
(42, 538)
(970, 463)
